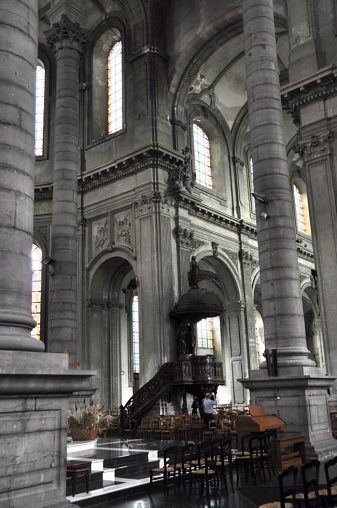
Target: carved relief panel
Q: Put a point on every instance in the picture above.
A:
(123, 228)
(99, 234)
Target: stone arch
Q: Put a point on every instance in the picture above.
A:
(107, 347)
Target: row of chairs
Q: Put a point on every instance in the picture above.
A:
(207, 463)
(308, 494)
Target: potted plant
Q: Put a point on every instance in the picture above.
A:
(84, 421)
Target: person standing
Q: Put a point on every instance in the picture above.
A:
(208, 407)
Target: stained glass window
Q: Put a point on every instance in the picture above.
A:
(135, 333)
(299, 210)
(40, 85)
(115, 89)
(202, 157)
(36, 289)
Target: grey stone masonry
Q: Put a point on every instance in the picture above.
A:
(67, 40)
(281, 297)
(18, 36)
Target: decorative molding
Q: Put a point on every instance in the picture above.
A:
(43, 192)
(233, 256)
(65, 33)
(248, 260)
(317, 87)
(237, 161)
(215, 249)
(185, 239)
(318, 146)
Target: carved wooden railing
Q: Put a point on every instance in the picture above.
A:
(202, 370)
(150, 393)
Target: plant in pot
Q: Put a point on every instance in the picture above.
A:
(84, 421)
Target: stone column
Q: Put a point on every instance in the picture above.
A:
(299, 392)
(67, 40)
(281, 295)
(17, 81)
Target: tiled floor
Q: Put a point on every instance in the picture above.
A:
(129, 487)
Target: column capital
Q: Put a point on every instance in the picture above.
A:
(318, 146)
(66, 34)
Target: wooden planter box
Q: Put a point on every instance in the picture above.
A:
(83, 434)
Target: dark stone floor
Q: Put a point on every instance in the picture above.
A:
(180, 498)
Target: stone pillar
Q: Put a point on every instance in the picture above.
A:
(299, 392)
(17, 79)
(281, 295)
(34, 387)
(67, 40)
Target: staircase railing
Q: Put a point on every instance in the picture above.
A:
(150, 393)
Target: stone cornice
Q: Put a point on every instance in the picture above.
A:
(318, 86)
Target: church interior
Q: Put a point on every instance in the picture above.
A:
(168, 226)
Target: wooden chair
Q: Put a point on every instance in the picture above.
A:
(248, 461)
(310, 479)
(185, 466)
(222, 459)
(205, 475)
(168, 470)
(288, 490)
(329, 495)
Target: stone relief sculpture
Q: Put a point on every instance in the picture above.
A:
(100, 234)
(123, 227)
(182, 175)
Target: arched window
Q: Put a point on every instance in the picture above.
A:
(36, 289)
(207, 329)
(107, 84)
(135, 333)
(202, 157)
(115, 89)
(40, 88)
(301, 210)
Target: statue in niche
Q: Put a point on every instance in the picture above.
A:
(193, 274)
(186, 339)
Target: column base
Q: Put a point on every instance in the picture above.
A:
(299, 396)
(35, 390)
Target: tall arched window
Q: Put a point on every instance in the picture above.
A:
(202, 157)
(107, 84)
(36, 289)
(301, 210)
(115, 89)
(135, 333)
(40, 88)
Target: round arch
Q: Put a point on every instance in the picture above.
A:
(108, 327)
